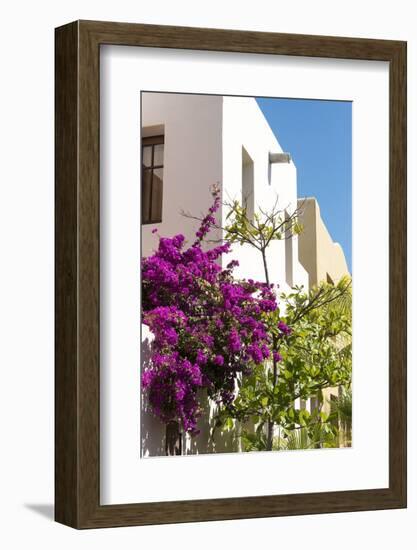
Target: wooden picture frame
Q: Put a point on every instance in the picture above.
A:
(77, 382)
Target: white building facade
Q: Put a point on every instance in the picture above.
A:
(208, 140)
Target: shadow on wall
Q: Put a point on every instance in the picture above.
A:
(210, 439)
(45, 510)
(152, 431)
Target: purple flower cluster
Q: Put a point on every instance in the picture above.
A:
(208, 327)
(171, 384)
(209, 220)
(284, 329)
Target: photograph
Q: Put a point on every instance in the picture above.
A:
(246, 274)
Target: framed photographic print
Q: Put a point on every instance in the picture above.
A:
(230, 274)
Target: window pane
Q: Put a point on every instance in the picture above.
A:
(147, 156)
(158, 155)
(157, 195)
(146, 195)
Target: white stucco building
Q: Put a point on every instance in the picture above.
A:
(189, 143)
(209, 139)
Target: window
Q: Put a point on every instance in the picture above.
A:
(152, 178)
(329, 279)
(289, 259)
(333, 406)
(247, 184)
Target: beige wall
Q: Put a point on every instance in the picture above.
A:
(323, 259)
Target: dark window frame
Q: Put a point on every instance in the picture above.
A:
(147, 209)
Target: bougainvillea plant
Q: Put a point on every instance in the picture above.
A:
(208, 326)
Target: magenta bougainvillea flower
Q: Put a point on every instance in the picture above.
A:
(208, 326)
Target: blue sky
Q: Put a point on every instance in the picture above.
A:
(318, 135)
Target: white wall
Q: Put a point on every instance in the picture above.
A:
(26, 218)
(192, 159)
(204, 137)
(244, 126)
